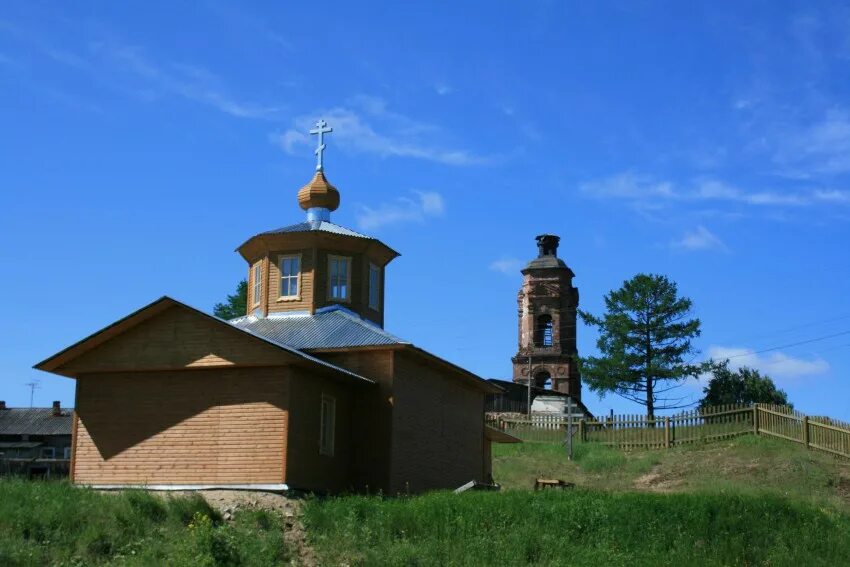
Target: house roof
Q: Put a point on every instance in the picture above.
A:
(54, 363)
(317, 226)
(34, 421)
(330, 327)
(335, 327)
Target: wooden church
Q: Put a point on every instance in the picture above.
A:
(306, 391)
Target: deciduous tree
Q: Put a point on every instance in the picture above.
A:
(741, 386)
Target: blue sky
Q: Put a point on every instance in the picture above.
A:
(706, 141)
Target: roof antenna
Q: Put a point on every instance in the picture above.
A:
(33, 386)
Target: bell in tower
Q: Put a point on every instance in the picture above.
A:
(547, 303)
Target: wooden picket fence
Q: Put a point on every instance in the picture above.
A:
(696, 426)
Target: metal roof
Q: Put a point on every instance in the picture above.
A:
(34, 421)
(319, 226)
(331, 327)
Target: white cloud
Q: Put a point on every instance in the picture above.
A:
(628, 186)
(443, 89)
(387, 134)
(190, 82)
(646, 192)
(699, 239)
(775, 364)
(417, 208)
(130, 70)
(506, 265)
(833, 196)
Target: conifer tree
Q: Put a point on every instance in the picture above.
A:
(644, 343)
(235, 305)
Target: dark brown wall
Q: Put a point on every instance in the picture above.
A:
(372, 414)
(438, 427)
(307, 469)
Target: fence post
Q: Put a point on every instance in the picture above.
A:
(806, 431)
(755, 419)
(666, 432)
(581, 431)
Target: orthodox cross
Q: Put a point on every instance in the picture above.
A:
(321, 129)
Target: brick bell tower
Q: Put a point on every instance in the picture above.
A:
(547, 303)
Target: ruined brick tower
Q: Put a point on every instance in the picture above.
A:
(547, 305)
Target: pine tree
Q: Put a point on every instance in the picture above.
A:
(644, 343)
(235, 305)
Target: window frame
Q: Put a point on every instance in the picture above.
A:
(374, 287)
(256, 283)
(297, 276)
(349, 264)
(327, 432)
(51, 451)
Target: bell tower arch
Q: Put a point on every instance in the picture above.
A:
(547, 307)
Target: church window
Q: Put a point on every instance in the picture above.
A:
(339, 277)
(290, 270)
(374, 286)
(258, 283)
(327, 426)
(543, 334)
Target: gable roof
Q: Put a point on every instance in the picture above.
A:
(55, 362)
(330, 327)
(34, 421)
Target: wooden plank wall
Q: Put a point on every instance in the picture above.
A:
(223, 426)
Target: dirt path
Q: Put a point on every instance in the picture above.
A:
(229, 502)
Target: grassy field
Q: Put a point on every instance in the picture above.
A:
(53, 523)
(578, 528)
(748, 501)
(743, 464)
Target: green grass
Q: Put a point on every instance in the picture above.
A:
(747, 463)
(578, 527)
(53, 523)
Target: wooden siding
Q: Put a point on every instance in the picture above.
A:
(307, 469)
(438, 428)
(222, 426)
(305, 287)
(177, 338)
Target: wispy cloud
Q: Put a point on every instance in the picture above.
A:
(646, 191)
(132, 70)
(506, 265)
(366, 125)
(775, 364)
(191, 82)
(420, 206)
(443, 89)
(697, 239)
(822, 146)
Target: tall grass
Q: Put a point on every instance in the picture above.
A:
(54, 523)
(577, 528)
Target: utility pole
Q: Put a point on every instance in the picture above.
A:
(570, 428)
(529, 383)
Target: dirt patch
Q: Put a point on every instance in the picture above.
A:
(656, 481)
(229, 502)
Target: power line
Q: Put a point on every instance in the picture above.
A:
(798, 343)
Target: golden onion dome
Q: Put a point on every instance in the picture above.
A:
(319, 193)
